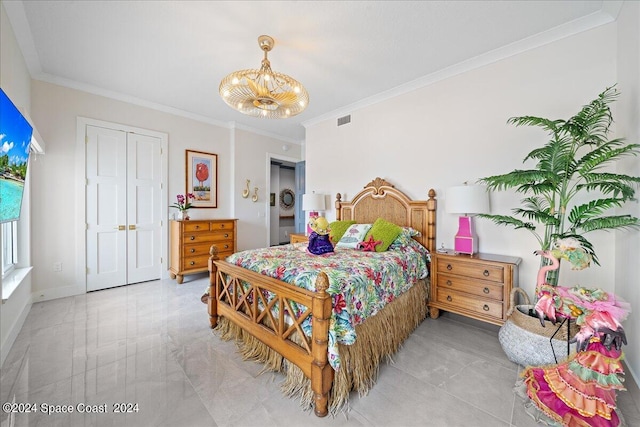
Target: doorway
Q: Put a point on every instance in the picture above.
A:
(125, 231)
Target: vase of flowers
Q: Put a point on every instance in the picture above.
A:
(183, 205)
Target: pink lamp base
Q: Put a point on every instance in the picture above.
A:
(312, 214)
(466, 241)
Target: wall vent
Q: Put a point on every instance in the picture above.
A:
(344, 120)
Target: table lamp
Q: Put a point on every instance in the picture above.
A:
(312, 203)
(467, 200)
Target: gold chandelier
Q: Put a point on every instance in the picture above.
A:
(263, 92)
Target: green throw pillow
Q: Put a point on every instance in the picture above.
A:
(337, 230)
(384, 231)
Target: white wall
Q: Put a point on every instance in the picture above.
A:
(253, 154)
(15, 81)
(627, 268)
(56, 109)
(455, 130)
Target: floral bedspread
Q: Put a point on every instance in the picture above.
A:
(360, 283)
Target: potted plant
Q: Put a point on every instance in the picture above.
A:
(572, 163)
(568, 194)
(183, 205)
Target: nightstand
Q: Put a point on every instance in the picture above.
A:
(298, 238)
(477, 286)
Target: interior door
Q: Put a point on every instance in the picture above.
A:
(123, 207)
(143, 208)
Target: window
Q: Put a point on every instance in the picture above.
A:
(9, 253)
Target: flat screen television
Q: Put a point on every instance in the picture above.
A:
(15, 142)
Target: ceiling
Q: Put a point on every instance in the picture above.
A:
(172, 55)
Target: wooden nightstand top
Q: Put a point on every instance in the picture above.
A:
(480, 257)
(298, 238)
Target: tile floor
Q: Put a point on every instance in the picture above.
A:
(150, 345)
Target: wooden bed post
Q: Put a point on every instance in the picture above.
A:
(212, 304)
(338, 206)
(431, 221)
(321, 371)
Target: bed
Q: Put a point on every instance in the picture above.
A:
(291, 329)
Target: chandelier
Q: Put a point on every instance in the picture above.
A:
(263, 92)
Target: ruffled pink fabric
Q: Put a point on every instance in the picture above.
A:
(566, 397)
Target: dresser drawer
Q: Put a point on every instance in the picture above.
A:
(198, 237)
(220, 236)
(494, 273)
(196, 249)
(195, 262)
(469, 303)
(190, 227)
(223, 246)
(471, 286)
(221, 226)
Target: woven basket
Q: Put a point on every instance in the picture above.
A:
(526, 342)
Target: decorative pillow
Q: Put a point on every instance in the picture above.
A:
(404, 238)
(384, 231)
(354, 235)
(337, 229)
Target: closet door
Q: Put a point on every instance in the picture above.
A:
(143, 208)
(123, 207)
(106, 165)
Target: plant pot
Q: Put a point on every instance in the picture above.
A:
(526, 342)
(183, 215)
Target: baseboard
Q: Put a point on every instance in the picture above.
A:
(55, 293)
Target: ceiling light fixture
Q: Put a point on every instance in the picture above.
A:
(263, 92)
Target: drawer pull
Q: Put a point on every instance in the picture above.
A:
(485, 273)
(226, 234)
(221, 225)
(449, 282)
(226, 246)
(449, 267)
(192, 250)
(486, 290)
(451, 299)
(485, 307)
(197, 226)
(192, 238)
(192, 263)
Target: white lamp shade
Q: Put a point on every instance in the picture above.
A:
(313, 202)
(467, 199)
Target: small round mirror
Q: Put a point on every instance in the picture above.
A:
(287, 199)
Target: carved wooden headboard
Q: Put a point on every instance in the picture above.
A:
(380, 199)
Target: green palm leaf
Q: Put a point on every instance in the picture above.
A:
(571, 164)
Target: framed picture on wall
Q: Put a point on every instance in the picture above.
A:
(202, 178)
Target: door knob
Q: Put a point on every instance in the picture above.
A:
(119, 227)
(132, 227)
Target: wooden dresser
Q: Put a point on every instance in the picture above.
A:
(476, 286)
(190, 242)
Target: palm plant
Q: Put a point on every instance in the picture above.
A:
(572, 163)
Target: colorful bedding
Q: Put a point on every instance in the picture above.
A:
(360, 283)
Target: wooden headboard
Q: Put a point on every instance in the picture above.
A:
(380, 199)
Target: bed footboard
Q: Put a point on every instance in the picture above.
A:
(262, 306)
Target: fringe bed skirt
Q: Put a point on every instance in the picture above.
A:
(360, 361)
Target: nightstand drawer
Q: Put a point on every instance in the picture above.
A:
(477, 286)
(469, 303)
(471, 286)
(494, 273)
